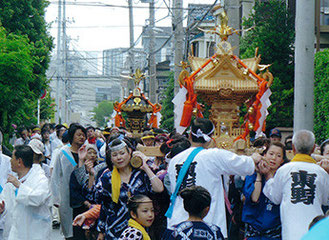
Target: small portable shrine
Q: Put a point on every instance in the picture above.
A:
(136, 111)
(225, 83)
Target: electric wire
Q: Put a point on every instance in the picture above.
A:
(99, 4)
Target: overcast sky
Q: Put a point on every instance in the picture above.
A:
(92, 27)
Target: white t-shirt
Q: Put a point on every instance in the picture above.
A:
(300, 188)
(206, 170)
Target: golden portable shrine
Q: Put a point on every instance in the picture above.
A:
(136, 107)
(226, 82)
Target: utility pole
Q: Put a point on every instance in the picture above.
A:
(247, 8)
(232, 8)
(152, 67)
(58, 60)
(304, 65)
(317, 23)
(131, 50)
(65, 64)
(177, 24)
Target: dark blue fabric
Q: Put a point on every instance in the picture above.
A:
(264, 214)
(194, 231)
(76, 195)
(99, 144)
(114, 217)
(261, 238)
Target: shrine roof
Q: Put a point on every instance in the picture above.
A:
(225, 72)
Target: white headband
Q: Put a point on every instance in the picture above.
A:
(118, 147)
(206, 137)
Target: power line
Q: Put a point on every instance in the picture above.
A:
(90, 63)
(165, 2)
(106, 26)
(110, 26)
(169, 38)
(91, 78)
(99, 4)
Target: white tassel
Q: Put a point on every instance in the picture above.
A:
(178, 102)
(266, 103)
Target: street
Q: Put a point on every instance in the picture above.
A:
(56, 235)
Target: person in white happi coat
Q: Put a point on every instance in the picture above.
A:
(64, 165)
(57, 141)
(206, 170)
(300, 187)
(26, 201)
(5, 170)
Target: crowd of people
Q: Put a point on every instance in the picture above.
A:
(90, 183)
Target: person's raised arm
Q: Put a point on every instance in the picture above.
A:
(157, 185)
(90, 169)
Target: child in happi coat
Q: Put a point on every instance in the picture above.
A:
(197, 203)
(142, 215)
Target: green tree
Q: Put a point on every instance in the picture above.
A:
(103, 110)
(27, 17)
(167, 111)
(47, 107)
(16, 75)
(321, 96)
(24, 57)
(273, 32)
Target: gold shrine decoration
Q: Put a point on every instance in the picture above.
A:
(225, 82)
(223, 31)
(136, 106)
(184, 73)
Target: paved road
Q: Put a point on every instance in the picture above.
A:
(56, 235)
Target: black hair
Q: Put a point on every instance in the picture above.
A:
(65, 138)
(73, 128)
(58, 128)
(195, 199)
(280, 145)
(158, 131)
(146, 129)
(288, 143)
(315, 220)
(52, 126)
(134, 202)
(205, 125)
(90, 127)
(262, 141)
(24, 152)
(113, 143)
(323, 145)
(45, 128)
(20, 130)
(173, 133)
(175, 145)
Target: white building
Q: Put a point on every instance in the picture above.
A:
(82, 87)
